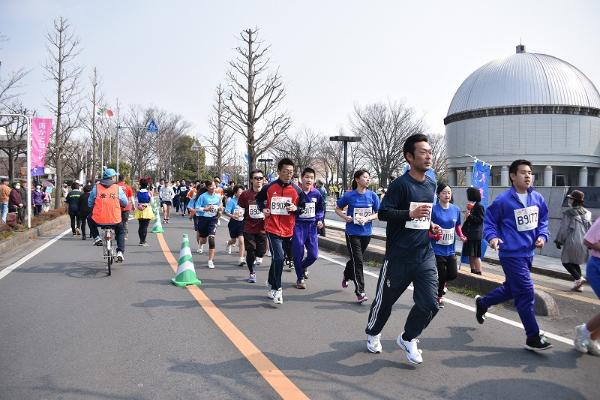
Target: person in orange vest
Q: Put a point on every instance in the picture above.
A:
(106, 200)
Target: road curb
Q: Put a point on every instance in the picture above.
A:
(44, 229)
(545, 305)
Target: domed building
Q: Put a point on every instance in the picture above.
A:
(532, 106)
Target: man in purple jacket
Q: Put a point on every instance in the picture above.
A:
(515, 224)
(305, 230)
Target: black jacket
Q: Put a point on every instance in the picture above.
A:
(83, 208)
(473, 226)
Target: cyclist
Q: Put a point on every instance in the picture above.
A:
(106, 200)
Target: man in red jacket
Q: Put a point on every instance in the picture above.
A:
(280, 202)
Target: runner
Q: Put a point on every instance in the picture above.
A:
(72, 203)
(219, 190)
(143, 211)
(409, 257)
(130, 204)
(236, 223)
(447, 216)
(284, 200)
(255, 238)
(515, 224)
(587, 336)
(183, 197)
(358, 208)
(305, 230)
(166, 195)
(207, 207)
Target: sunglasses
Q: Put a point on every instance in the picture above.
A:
(258, 178)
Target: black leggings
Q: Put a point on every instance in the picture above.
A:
(447, 271)
(574, 270)
(354, 267)
(75, 222)
(143, 229)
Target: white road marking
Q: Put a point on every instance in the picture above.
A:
(28, 257)
(467, 307)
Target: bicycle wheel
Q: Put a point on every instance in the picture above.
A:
(109, 256)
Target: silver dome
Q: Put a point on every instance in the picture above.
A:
(525, 79)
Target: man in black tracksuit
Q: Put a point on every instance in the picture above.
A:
(409, 257)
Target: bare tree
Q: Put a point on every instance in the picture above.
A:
(171, 128)
(14, 144)
(302, 148)
(437, 142)
(384, 128)
(137, 145)
(10, 83)
(221, 140)
(255, 98)
(63, 48)
(90, 121)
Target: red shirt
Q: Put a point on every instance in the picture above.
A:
(128, 193)
(247, 200)
(275, 196)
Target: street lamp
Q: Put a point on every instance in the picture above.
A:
(265, 161)
(345, 140)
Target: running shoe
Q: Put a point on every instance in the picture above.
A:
(288, 263)
(578, 285)
(120, 257)
(78, 231)
(97, 241)
(582, 338)
(361, 298)
(410, 347)
(480, 310)
(229, 249)
(537, 343)
(211, 264)
(344, 283)
(200, 249)
(300, 284)
(374, 344)
(441, 301)
(278, 296)
(305, 273)
(445, 289)
(252, 278)
(594, 347)
(242, 262)
(258, 261)
(270, 291)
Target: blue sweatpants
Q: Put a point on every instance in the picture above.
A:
(518, 286)
(305, 234)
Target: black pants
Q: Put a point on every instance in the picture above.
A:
(354, 267)
(287, 250)
(256, 246)
(75, 222)
(37, 209)
(119, 232)
(321, 231)
(83, 224)
(143, 229)
(394, 278)
(574, 270)
(447, 271)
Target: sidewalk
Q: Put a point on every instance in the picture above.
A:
(543, 265)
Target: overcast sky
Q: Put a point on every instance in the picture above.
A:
(331, 54)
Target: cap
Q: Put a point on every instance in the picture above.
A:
(109, 173)
(576, 195)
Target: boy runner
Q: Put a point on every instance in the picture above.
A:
(255, 238)
(207, 207)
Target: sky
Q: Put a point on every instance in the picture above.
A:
(332, 55)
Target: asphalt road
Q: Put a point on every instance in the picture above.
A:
(70, 332)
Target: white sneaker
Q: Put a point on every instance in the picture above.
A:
(258, 261)
(582, 338)
(374, 344)
(120, 257)
(271, 294)
(211, 264)
(268, 254)
(242, 262)
(578, 285)
(594, 347)
(200, 249)
(278, 296)
(229, 249)
(412, 351)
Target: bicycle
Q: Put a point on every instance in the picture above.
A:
(109, 250)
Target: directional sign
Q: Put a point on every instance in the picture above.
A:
(152, 127)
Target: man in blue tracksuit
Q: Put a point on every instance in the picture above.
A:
(305, 230)
(515, 224)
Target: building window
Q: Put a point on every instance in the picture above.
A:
(560, 180)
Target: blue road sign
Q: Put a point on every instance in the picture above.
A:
(152, 127)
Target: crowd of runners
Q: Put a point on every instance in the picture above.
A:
(283, 218)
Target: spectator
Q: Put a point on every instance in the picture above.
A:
(15, 202)
(576, 221)
(4, 195)
(47, 199)
(72, 200)
(473, 230)
(83, 208)
(37, 199)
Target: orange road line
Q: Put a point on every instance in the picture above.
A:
(269, 371)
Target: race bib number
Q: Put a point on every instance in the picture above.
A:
(309, 210)
(419, 223)
(527, 218)
(447, 237)
(238, 213)
(254, 212)
(278, 205)
(363, 212)
(210, 212)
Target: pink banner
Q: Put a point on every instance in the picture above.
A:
(41, 130)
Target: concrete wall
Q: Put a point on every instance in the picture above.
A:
(554, 197)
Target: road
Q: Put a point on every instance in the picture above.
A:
(70, 332)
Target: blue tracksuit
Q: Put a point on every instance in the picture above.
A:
(305, 232)
(518, 227)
